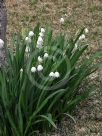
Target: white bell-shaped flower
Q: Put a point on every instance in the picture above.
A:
(39, 68)
(56, 74)
(46, 55)
(86, 30)
(62, 20)
(28, 40)
(40, 40)
(33, 69)
(42, 30)
(40, 59)
(31, 34)
(21, 70)
(82, 37)
(27, 49)
(52, 74)
(1, 43)
(41, 34)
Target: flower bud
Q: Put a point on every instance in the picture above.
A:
(40, 59)
(21, 70)
(62, 20)
(86, 30)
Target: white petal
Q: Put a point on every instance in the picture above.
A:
(86, 30)
(82, 37)
(27, 49)
(57, 74)
(28, 39)
(39, 44)
(52, 74)
(40, 59)
(41, 34)
(46, 55)
(62, 20)
(21, 70)
(1, 43)
(33, 69)
(40, 68)
(31, 33)
(40, 40)
(42, 30)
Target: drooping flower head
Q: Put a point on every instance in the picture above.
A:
(1, 43)
(33, 69)
(31, 34)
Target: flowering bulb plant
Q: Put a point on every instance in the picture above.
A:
(41, 80)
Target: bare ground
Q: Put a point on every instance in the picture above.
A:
(88, 13)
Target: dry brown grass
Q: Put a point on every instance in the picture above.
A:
(80, 13)
(88, 13)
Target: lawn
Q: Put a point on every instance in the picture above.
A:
(77, 13)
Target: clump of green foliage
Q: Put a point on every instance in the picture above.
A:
(31, 101)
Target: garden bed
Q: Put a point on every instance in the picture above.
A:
(88, 114)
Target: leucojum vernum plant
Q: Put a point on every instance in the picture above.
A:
(39, 85)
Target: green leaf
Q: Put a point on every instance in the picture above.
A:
(49, 119)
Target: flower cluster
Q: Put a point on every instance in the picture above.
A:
(40, 38)
(28, 38)
(39, 67)
(28, 41)
(55, 75)
(82, 37)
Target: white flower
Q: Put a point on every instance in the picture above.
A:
(40, 59)
(46, 55)
(40, 68)
(76, 45)
(86, 30)
(57, 74)
(65, 15)
(40, 40)
(62, 20)
(28, 39)
(42, 30)
(1, 43)
(21, 70)
(41, 34)
(52, 74)
(27, 49)
(33, 69)
(39, 46)
(82, 37)
(31, 34)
